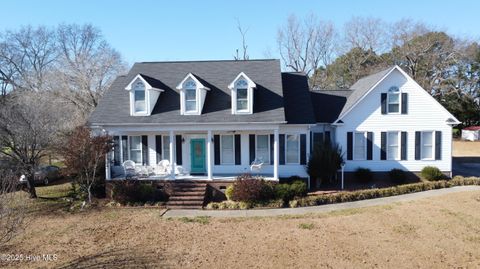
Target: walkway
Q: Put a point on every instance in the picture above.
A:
(317, 209)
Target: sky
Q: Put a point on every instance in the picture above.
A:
(143, 30)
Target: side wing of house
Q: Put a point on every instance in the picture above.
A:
(395, 124)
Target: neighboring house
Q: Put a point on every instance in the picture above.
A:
(215, 118)
(471, 133)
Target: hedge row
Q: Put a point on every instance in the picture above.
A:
(384, 192)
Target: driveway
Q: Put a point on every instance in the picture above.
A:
(466, 166)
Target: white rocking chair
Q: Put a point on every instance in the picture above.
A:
(129, 169)
(257, 165)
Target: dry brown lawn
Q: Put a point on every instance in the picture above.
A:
(441, 232)
(466, 148)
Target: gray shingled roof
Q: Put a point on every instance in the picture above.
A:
(327, 104)
(361, 87)
(113, 108)
(298, 105)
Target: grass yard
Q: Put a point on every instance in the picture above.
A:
(441, 232)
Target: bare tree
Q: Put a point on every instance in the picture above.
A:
(243, 33)
(84, 155)
(306, 45)
(29, 124)
(368, 34)
(11, 210)
(86, 67)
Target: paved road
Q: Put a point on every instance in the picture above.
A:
(466, 166)
(317, 209)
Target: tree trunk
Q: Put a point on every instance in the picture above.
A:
(89, 193)
(31, 186)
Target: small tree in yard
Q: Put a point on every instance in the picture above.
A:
(11, 211)
(324, 162)
(84, 156)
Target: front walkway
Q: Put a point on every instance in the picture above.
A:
(318, 209)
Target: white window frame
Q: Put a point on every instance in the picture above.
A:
(135, 90)
(421, 146)
(233, 86)
(237, 88)
(130, 148)
(390, 92)
(191, 88)
(364, 158)
(221, 150)
(165, 145)
(266, 162)
(286, 148)
(399, 145)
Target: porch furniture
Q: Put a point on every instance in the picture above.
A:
(163, 167)
(129, 168)
(257, 165)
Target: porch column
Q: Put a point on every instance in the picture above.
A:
(108, 174)
(172, 155)
(209, 155)
(275, 154)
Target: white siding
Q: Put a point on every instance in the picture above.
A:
(424, 114)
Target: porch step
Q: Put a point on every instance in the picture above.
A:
(187, 195)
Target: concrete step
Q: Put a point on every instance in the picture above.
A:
(186, 198)
(184, 207)
(193, 203)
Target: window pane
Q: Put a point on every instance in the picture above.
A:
(227, 149)
(427, 145)
(190, 94)
(292, 149)
(427, 138)
(139, 101)
(359, 150)
(190, 105)
(242, 93)
(166, 147)
(263, 153)
(394, 98)
(135, 142)
(392, 147)
(136, 149)
(393, 108)
(242, 104)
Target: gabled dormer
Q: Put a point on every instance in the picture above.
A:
(242, 94)
(192, 95)
(143, 96)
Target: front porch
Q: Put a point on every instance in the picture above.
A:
(215, 177)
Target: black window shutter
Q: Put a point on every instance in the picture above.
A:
(403, 146)
(158, 147)
(271, 149)
(178, 149)
(251, 147)
(438, 145)
(238, 150)
(349, 145)
(317, 139)
(125, 148)
(383, 145)
(303, 149)
(369, 145)
(327, 137)
(216, 149)
(384, 103)
(116, 150)
(417, 145)
(404, 103)
(282, 149)
(144, 150)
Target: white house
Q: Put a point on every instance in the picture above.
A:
(214, 119)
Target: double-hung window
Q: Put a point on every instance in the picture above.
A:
(242, 96)
(139, 97)
(263, 148)
(393, 100)
(136, 149)
(227, 149)
(292, 149)
(166, 147)
(427, 145)
(393, 146)
(190, 96)
(360, 146)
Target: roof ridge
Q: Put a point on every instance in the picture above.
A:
(201, 61)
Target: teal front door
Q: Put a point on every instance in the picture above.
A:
(197, 153)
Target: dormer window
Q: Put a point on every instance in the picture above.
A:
(242, 94)
(393, 100)
(139, 94)
(143, 93)
(192, 95)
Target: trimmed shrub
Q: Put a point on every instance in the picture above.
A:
(249, 189)
(397, 176)
(136, 193)
(287, 192)
(324, 162)
(363, 175)
(229, 192)
(432, 173)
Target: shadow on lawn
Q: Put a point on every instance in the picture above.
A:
(118, 258)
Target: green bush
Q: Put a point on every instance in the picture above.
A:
(324, 162)
(287, 192)
(229, 192)
(432, 173)
(397, 176)
(363, 175)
